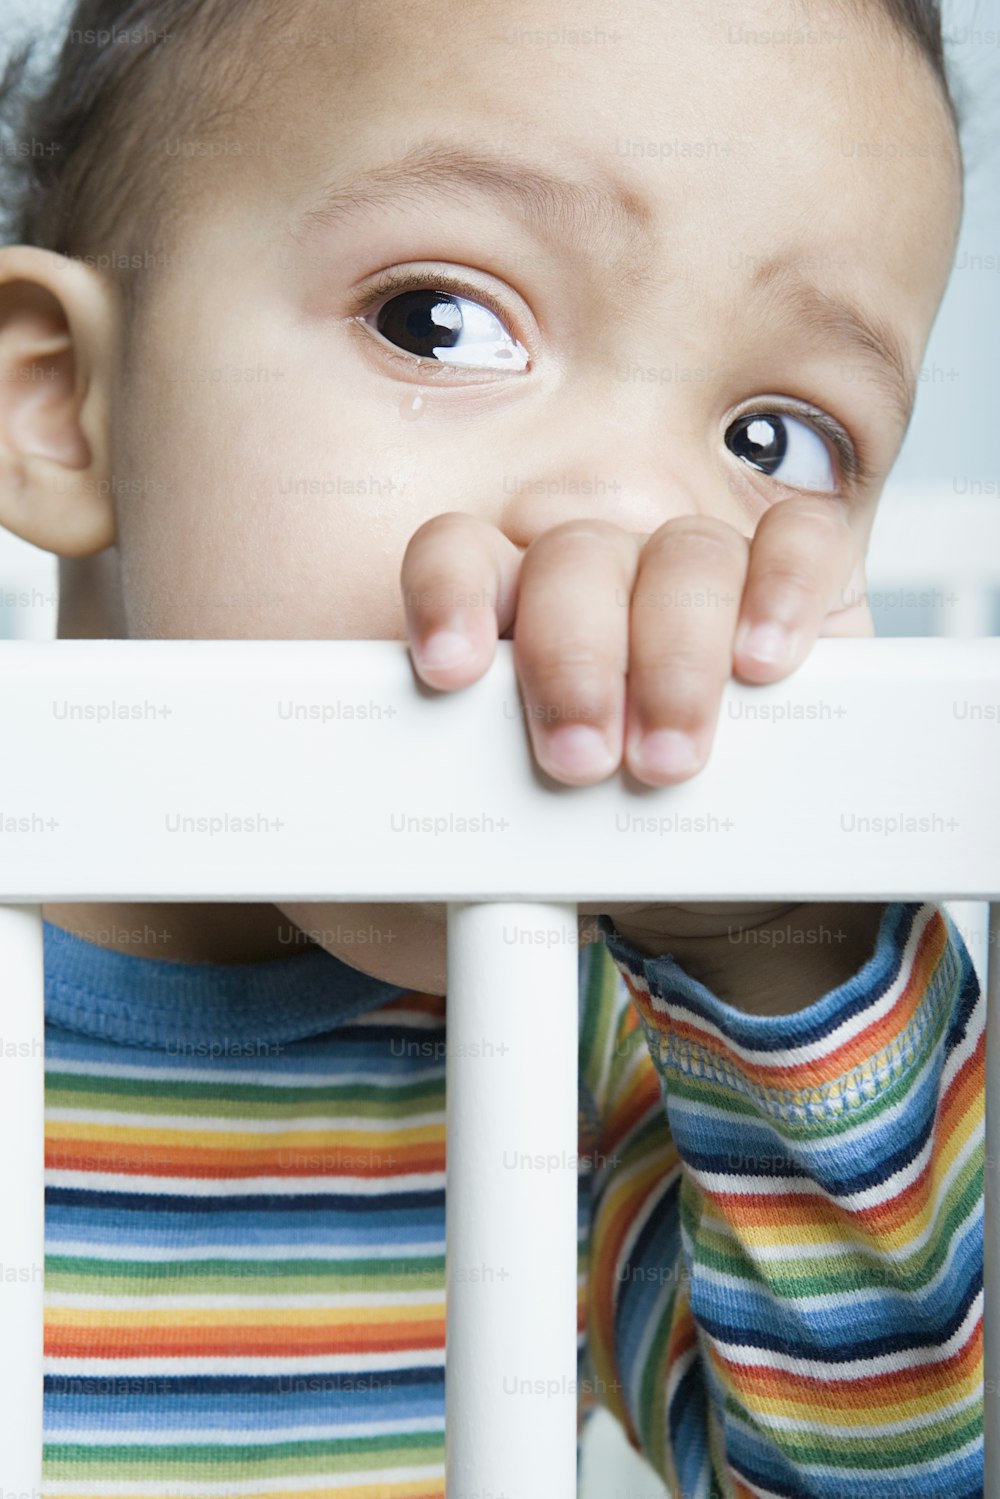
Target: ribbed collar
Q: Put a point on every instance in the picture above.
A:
(150, 1002)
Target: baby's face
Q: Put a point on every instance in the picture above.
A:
(738, 216)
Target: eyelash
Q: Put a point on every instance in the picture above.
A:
(392, 282)
(850, 455)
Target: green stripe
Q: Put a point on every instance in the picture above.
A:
(136, 1096)
(652, 1426)
(884, 1451)
(818, 1125)
(241, 1459)
(828, 1274)
(85, 1265)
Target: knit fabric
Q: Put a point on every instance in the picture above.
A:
(780, 1226)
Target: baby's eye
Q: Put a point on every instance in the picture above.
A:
(448, 328)
(784, 447)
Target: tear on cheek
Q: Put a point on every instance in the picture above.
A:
(412, 406)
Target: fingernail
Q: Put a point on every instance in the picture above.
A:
(579, 750)
(767, 643)
(446, 648)
(669, 752)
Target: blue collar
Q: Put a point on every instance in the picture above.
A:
(137, 1001)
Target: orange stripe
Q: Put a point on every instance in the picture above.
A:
(643, 1095)
(204, 1164)
(745, 1212)
(415, 1002)
(241, 1342)
(859, 1049)
(873, 1391)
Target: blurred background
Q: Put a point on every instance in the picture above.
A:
(934, 561)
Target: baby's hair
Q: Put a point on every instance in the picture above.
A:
(83, 137)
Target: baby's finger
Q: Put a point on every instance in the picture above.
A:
(684, 609)
(801, 557)
(571, 646)
(459, 578)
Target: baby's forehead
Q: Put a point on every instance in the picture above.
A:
(725, 145)
(730, 144)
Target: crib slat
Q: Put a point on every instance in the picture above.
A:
(22, 1195)
(870, 776)
(511, 1258)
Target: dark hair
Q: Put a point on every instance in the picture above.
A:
(80, 133)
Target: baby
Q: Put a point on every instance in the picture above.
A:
(593, 329)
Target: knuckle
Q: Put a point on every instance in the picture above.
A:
(429, 533)
(436, 576)
(588, 534)
(809, 514)
(589, 527)
(791, 576)
(577, 685)
(700, 536)
(681, 692)
(445, 520)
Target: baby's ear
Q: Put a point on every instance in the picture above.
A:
(57, 325)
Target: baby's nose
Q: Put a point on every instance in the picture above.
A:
(536, 499)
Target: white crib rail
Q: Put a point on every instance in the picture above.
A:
(869, 775)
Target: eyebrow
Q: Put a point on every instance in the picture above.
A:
(840, 321)
(565, 210)
(555, 206)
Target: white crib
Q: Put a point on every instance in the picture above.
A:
(897, 728)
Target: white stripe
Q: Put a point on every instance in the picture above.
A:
(173, 1367)
(818, 1250)
(239, 1252)
(759, 1492)
(318, 1483)
(240, 1076)
(668, 1290)
(957, 1059)
(320, 1301)
(876, 1196)
(621, 1000)
(860, 1368)
(896, 1472)
(797, 1055)
(840, 1299)
(619, 1184)
(245, 1124)
(249, 1440)
(247, 1186)
(678, 1370)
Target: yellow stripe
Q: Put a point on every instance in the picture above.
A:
(194, 1316)
(313, 1140)
(427, 1488)
(871, 1414)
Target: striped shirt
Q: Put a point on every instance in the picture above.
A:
(780, 1226)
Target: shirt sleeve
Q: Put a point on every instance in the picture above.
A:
(787, 1239)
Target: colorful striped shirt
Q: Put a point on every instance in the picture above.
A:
(780, 1226)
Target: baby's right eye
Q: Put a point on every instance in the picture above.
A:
(447, 328)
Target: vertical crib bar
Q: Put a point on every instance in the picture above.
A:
(511, 1261)
(22, 1194)
(991, 1226)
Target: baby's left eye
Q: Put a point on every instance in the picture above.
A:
(784, 447)
(450, 329)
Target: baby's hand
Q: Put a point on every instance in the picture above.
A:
(623, 643)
